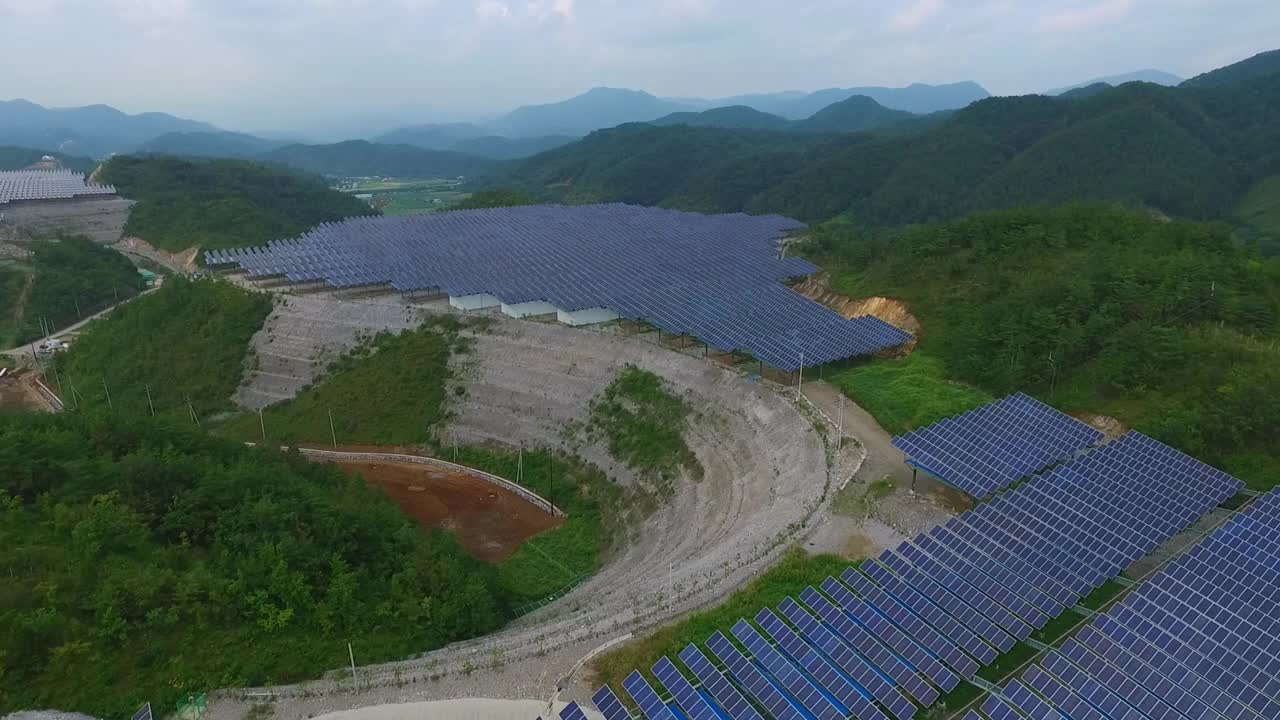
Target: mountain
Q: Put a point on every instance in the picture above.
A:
(1157, 77)
(360, 158)
(496, 147)
(1185, 151)
(916, 98)
(440, 136)
(597, 108)
(852, 114)
(93, 130)
(1259, 65)
(734, 116)
(18, 158)
(210, 144)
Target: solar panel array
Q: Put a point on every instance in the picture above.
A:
(714, 277)
(47, 185)
(1201, 640)
(990, 448)
(895, 633)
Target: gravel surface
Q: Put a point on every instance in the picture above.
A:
(767, 474)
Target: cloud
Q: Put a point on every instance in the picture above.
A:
(915, 15)
(563, 8)
(1086, 17)
(493, 10)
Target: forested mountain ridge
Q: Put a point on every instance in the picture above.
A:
(852, 114)
(1187, 151)
(221, 203)
(1169, 326)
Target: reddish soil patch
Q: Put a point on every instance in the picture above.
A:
(18, 391)
(489, 522)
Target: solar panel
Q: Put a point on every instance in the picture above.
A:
(1184, 644)
(988, 449)
(786, 674)
(858, 668)
(687, 697)
(33, 185)
(857, 699)
(572, 712)
(610, 706)
(753, 680)
(725, 694)
(646, 697)
(715, 277)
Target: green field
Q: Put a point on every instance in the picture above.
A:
(408, 196)
(907, 393)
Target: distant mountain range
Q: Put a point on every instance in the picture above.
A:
(849, 115)
(94, 130)
(917, 98)
(1158, 77)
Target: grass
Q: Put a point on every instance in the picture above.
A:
(556, 558)
(13, 283)
(390, 390)
(855, 501)
(409, 196)
(644, 423)
(788, 578)
(904, 394)
(186, 342)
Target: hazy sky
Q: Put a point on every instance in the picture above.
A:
(315, 64)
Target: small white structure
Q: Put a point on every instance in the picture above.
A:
(529, 309)
(589, 316)
(478, 301)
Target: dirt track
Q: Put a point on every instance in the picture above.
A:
(489, 522)
(767, 475)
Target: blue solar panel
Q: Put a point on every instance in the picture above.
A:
(753, 680)
(572, 712)
(714, 682)
(1185, 644)
(610, 706)
(1030, 703)
(715, 277)
(694, 705)
(646, 697)
(990, 448)
(788, 676)
(858, 668)
(856, 698)
(930, 611)
(867, 617)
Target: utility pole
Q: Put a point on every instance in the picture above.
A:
(351, 653)
(840, 426)
(262, 425)
(149, 403)
(551, 480)
(520, 466)
(800, 384)
(107, 390)
(332, 433)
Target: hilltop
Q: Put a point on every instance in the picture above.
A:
(1189, 151)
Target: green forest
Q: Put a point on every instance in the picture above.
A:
(1169, 326)
(185, 344)
(222, 203)
(65, 281)
(17, 158)
(145, 559)
(1189, 151)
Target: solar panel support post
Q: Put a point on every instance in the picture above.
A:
(913, 478)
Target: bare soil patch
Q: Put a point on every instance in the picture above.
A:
(18, 392)
(894, 312)
(489, 522)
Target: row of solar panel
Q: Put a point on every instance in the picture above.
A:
(991, 447)
(717, 278)
(1201, 640)
(47, 185)
(922, 618)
